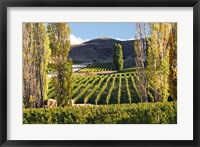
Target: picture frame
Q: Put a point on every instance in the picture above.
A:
(195, 4)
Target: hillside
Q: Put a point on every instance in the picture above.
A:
(100, 49)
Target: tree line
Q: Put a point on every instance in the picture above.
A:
(156, 55)
(45, 53)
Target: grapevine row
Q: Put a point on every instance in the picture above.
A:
(127, 89)
(81, 86)
(86, 99)
(85, 89)
(134, 85)
(82, 80)
(119, 89)
(102, 89)
(111, 89)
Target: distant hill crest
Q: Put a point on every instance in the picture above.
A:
(102, 40)
(100, 49)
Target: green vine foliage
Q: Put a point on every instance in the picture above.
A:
(141, 113)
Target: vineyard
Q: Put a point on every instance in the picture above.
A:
(103, 89)
(98, 67)
(99, 80)
(105, 86)
(105, 66)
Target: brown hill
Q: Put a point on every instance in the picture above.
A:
(100, 49)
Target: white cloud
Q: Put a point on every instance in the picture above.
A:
(125, 39)
(76, 40)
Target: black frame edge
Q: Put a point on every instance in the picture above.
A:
(3, 73)
(1, 76)
(196, 79)
(101, 3)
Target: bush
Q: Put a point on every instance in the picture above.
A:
(141, 113)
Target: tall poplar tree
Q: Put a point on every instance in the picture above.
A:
(118, 60)
(140, 47)
(158, 61)
(28, 64)
(60, 67)
(36, 54)
(173, 62)
(41, 43)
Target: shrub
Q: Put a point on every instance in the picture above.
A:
(141, 113)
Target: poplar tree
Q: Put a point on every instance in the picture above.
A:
(158, 61)
(36, 54)
(118, 60)
(28, 64)
(60, 67)
(173, 62)
(41, 43)
(140, 47)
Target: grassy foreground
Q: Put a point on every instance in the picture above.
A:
(141, 113)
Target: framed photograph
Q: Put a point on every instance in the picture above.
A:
(106, 73)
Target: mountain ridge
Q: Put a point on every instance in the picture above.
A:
(100, 49)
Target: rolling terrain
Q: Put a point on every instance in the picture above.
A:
(100, 49)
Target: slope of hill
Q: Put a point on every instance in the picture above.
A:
(100, 49)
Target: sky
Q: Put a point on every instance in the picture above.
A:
(85, 31)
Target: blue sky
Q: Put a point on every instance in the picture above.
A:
(85, 31)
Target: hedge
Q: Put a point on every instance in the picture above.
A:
(141, 113)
